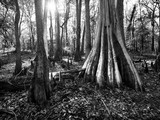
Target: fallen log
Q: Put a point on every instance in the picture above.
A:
(137, 61)
(8, 87)
(65, 74)
(23, 82)
(73, 71)
(15, 84)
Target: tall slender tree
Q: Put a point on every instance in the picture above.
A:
(159, 27)
(40, 88)
(109, 62)
(77, 56)
(82, 40)
(45, 15)
(18, 67)
(58, 49)
(51, 36)
(87, 30)
(66, 21)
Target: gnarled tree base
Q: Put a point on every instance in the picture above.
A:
(109, 62)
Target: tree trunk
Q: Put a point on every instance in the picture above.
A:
(77, 56)
(45, 15)
(40, 88)
(142, 43)
(109, 62)
(32, 36)
(18, 66)
(58, 50)
(66, 22)
(51, 36)
(152, 45)
(61, 39)
(87, 30)
(159, 31)
(82, 40)
(121, 16)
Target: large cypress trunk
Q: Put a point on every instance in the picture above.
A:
(109, 62)
(121, 17)
(40, 88)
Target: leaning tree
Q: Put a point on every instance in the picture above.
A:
(109, 62)
(40, 88)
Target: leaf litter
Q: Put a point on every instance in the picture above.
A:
(75, 100)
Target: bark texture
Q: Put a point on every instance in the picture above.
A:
(66, 22)
(152, 22)
(82, 40)
(87, 30)
(58, 50)
(109, 62)
(40, 88)
(121, 16)
(51, 53)
(77, 56)
(159, 30)
(45, 15)
(18, 66)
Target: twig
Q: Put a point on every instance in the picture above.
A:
(106, 106)
(18, 74)
(59, 76)
(100, 95)
(9, 112)
(14, 115)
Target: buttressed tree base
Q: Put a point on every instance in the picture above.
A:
(109, 62)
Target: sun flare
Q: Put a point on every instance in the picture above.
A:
(51, 6)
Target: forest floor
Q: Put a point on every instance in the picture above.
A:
(74, 100)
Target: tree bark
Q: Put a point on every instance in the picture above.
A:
(51, 36)
(159, 31)
(142, 43)
(109, 62)
(121, 16)
(18, 66)
(82, 40)
(77, 56)
(45, 15)
(40, 89)
(87, 30)
(152, 22)
(32, 36)
(58, 50)
(66, 22)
